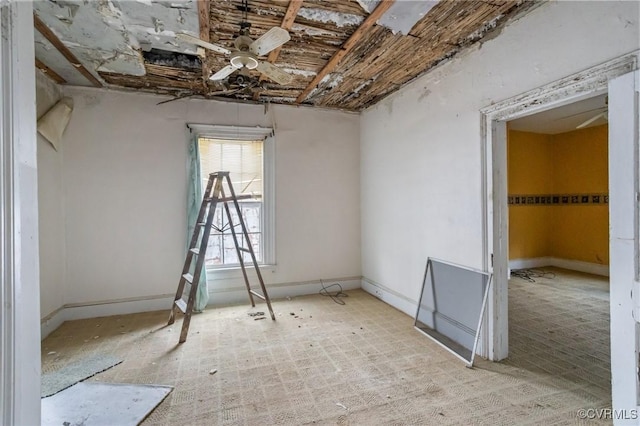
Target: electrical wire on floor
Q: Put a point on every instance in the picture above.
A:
(530, 275)
(337, 297)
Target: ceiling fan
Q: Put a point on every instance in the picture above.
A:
(603, 114)
(244, 56)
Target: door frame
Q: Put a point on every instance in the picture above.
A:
(624, 198)
(585, 84)
(19, 271)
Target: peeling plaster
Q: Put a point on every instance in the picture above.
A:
(282, 99)
(311, 30)
(363, 85)
(305, 73)
(326, 16)
(486, 26)
(48, 54)
(402, 16)
(330, 81)
(105, 35)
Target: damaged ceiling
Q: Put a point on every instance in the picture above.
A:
(342, 54)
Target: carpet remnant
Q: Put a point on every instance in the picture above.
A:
(65, 377)
(90, 403)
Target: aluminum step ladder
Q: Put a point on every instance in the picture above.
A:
(215, 193)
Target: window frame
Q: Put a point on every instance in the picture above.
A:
(267, 136)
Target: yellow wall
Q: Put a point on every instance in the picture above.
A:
(529, 171)
(580, 163)
(567, 163)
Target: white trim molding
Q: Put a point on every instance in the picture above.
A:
(19, 270)
(234, 293)
(390, 297)
(570, 264)
(234, 133)
(573, 88)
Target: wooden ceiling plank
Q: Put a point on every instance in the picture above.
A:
(49, 72)
(205, 34)
(382, 7)
(287, 23)
(53, 39)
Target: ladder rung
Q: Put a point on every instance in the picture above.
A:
(181, 305)
(226, 199)
(195, 250)
(201, 223)
(238, 197)
(244, 249)
(257, 295)
(188, 278)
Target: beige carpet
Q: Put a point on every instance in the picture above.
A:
(359, 364)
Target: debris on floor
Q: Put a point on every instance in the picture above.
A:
(212, 372)
(255, 314)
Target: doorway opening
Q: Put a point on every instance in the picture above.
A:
(620, 79)
(558, 245)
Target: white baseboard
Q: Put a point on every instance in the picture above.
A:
(573, 265)
(390, 297)
(103, 309)
(217, 297)
(234, 295)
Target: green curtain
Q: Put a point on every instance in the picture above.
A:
(194, 200)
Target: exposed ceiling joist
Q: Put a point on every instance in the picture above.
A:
(205, 31)
(53, 39)
(49, 72)
(382, 7)
(365, 49)
(287, 23)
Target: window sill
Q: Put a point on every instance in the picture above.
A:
(234, 271)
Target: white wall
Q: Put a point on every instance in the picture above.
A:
(125, 182)
(50, 207)
(421, 147)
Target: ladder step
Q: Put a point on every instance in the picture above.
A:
(226, 199)
(238, 197)
(257, 295)
(181, 305)
(187, 285)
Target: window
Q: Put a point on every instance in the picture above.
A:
(247, 155)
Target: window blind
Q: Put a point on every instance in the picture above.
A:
(243, 159)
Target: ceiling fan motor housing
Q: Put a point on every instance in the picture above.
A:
(243, 58)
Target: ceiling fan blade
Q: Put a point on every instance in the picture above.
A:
(223, 73)
(273, 38)
(592, 119)
(195, 40)
(274, 73)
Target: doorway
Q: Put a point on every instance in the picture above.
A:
(558, 245)
(619, 78)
